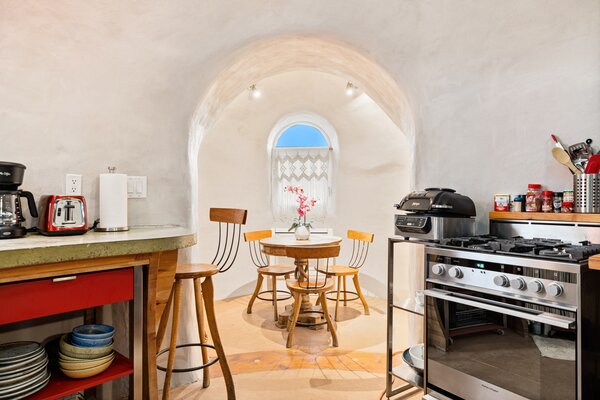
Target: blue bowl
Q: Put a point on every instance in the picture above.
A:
(77, 341)
(94, 331)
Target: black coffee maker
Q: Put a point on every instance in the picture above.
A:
(11, 215)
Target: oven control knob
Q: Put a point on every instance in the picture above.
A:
(536, 286)
(455, 272)
(501, 280)
(438, 269)
(556, 290)
(518, 283)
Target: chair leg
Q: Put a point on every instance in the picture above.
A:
(295, 313)
(276, 314)
(337, 298)
(360, 295)
(164, 319)
(345, 293)
(208, 295)
(259, 281)
(201, 329)
(173, 343)
(329, 323)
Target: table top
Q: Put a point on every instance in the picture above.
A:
(286, 241)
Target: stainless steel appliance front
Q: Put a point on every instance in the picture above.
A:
(497, 342)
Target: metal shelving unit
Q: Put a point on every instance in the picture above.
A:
(405, 303)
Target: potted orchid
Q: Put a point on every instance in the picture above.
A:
(302, 228)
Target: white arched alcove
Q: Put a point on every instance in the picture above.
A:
(270, 57)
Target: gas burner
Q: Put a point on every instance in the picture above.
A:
(555, 253)
(542, 248)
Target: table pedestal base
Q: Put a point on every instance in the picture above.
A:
(311, 317)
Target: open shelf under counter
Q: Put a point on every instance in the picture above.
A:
(408, 375)
(542, 216)
(61, 385)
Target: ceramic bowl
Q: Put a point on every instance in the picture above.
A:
(81, 342)
(79, 365)
(416, 354)
(82, 352)
(62, 357)
(97, 331)
(87, 372)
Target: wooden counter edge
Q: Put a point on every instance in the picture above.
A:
(594, 262)
(557, 217)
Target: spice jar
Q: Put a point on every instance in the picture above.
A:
(568, 196)
(518, 203)
(567, 207)
(547, 201)
(533, 198)
(557, 201)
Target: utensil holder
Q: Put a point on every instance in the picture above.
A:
(587, 193)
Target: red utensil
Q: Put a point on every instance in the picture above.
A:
(593, 165)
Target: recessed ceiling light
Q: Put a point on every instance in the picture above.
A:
(255, 93)
(351, 88)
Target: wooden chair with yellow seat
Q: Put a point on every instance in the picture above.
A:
(360, 250)
(201, 274)
(307, 283)
(264, 268)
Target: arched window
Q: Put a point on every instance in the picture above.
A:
(302, 153)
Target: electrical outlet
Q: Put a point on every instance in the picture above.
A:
(73, 184)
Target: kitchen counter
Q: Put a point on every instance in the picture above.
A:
(151, 250)
(38, 249)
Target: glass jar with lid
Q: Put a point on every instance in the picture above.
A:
(533, 198)
(547, 201)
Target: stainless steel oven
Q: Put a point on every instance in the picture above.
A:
(500, 328)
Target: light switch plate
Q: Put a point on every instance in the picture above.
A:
(137, 187)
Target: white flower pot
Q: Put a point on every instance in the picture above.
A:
(302, 232)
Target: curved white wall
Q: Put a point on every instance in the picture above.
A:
(372, 171)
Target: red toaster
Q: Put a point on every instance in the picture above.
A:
(61, 215)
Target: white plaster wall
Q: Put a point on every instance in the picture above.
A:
(87, 84)
(372, 171)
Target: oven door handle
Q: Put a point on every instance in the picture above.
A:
(501, 308)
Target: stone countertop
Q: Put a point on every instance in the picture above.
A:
(38, 249)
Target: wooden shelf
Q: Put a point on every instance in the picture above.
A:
(595, 262)
(60, 385)
(540, 216)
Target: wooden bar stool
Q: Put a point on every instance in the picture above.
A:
(227, 250)
(308, 283)
(360, 250)
(264, 268)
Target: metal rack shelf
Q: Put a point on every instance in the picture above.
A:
(405, 302)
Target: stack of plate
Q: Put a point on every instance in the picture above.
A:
(23, 369)
(87, 351)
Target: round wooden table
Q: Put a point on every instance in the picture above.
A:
(276, 246)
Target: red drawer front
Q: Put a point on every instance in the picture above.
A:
(34, 299)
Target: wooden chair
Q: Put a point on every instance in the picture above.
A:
(317, 283)
(264, 268)
(227, 250)
(360, 250)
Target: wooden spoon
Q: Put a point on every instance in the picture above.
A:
(563, 157)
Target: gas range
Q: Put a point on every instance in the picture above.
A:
(539, 248)
(488, 295)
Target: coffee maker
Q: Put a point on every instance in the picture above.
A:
(11, 214)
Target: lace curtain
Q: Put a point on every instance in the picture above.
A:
(309, 168)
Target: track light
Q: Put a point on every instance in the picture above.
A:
(255, 93)
(350, 88)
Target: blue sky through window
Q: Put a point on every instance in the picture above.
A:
(302, 136)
